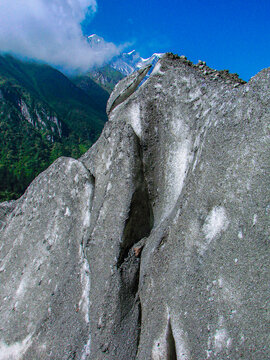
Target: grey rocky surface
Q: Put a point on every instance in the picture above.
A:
(44, 274)
(126, 87)
(6, 208)
(153, 245)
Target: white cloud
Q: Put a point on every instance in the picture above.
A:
(50, 31)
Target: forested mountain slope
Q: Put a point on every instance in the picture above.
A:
(43, 115)
(106, 77)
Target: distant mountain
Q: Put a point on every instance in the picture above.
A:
(43, 115)
(105, 77)
(124, 64)
(127, 63)
(95, 40)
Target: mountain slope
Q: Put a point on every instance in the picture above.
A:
(65, 98)
(120, 66)
(99, 81)
(43, 116)
(106, 77)
(127, 63)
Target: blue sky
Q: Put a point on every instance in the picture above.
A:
(232, 35)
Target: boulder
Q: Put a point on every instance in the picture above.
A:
(44, 273)
(154, 244)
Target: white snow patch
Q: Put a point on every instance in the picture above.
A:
(223, 291)
(135, 119)
(100, 320)
(14, 351)
(220, 282)
(21, 288)
(159, 350)
(42, 347)
(70, 165)
(255, 219)
(195, 94)
(108, 163)
(180, 344)
(155, 55)
(87, 210)
(228, 291)
(67, 212)
(177, 157)
(215, 223)
(109, 186)
(157, 70)
(176, 170)
(85, 281)
(240, 235)
(73, 193)
(107, 158)
(221, 339)
(86, 350)
(131, 52)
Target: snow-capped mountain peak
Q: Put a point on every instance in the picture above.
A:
(131, 52)
(129, 62)
(95, 40)
(125, 63)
